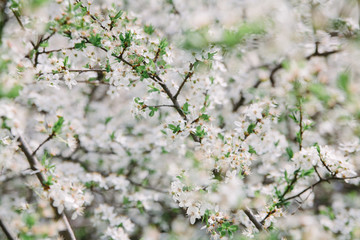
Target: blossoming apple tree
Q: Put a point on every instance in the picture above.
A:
(169, 119)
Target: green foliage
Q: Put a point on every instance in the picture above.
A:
(112, 136)
(343, 82)
(205, 117)
(140, 207)
(115, 18)
(174, 128)
(80, 46)
(305, 173)
(195, 40)
(162, 46)
(227, 229)
(153, 89)
(320, 92)
(49, 181)
(252, 150)
(185, 108)
(58, 125)
(232, 38)
(152, 111)
(251, 128)
(107, 120)
(139, 101)
(149, 29)
(290, 152)
(95, 40)
(328, 212)
(29, 220)
(200, 132)
(12, 93)
(126, 39)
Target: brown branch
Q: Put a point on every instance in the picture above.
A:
(3, 17)
(273, 72)
(34, 165)
(239, 103)
(56, 50)
(305, 190)
(318, 182)
(252, 218)
(6, 231)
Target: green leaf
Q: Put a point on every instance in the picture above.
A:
(233, 228)
(153, 89)
(66, 61)
(44, 44)
(126, 39)
(107, 120)
(58, 125)
(185, 108)
(305, 173)
(80, 46)
(112, 136)
(320, 91)
(162, 46)
(343, 81)
(30, 220)
(252, 150)
(205, 117)
(251, 128)
(140, 206)
(221, 137)
(152, 111)
(95, 40)
(200, 132)
(149, 29)
(174, 128)
(108, 66)
(118, 15)
(12, 93)
(293, 117)
(290, 152)
(298, 137)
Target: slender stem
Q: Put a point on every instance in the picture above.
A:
(301, 125)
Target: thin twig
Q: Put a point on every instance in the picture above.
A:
(18, 19)
(162, 105)
(188, 75)
(45, 141)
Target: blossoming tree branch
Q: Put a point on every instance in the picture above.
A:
(169, 119)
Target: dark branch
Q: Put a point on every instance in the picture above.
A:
(252, 218)
(6, 231)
